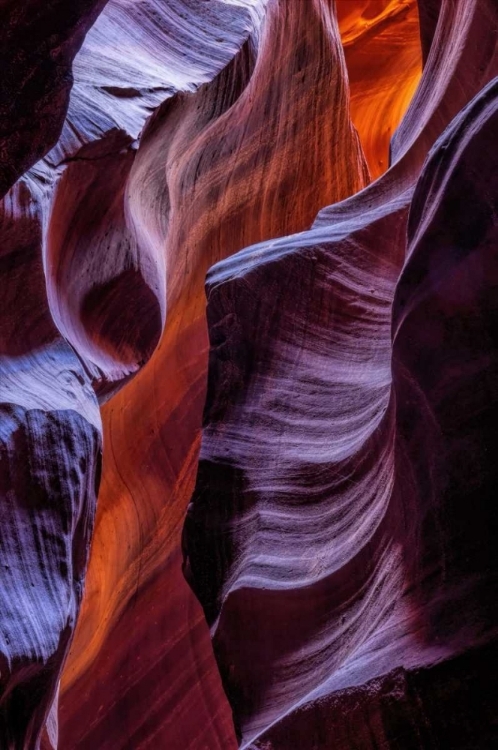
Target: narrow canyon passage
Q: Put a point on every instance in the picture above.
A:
(162, 407)
(248, 349)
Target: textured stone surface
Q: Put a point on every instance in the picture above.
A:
(50, 450)
(97, 269)
(342, 517)
(39, 42)
(383, 56)
(209, 142)
(450, 704)
(332, 536)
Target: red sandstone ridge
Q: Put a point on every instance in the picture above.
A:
(329, 165)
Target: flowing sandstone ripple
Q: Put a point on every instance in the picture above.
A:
(195, 129)
(316, 538)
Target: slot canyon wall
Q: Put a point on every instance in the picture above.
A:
(247, 374)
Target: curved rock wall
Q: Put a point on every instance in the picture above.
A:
(50, 454)
(209, 142)
(340, 516)
(331, 537)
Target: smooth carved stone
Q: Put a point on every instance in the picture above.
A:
(449, 704)
(50, 451)
(290, 513)
(462, 60)
(319, 539)
(329, 539)
(155, 683)
(48, 481)
(429, 16)
(235, 162)
(384, 61)
(95, 264)
(444, 365)
(443, 354)
(101, 258)
(38, 44)
(176, 46)
(138, 54)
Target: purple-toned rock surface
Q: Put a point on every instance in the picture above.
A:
(337, 503)
(342, 520)
(50, 454)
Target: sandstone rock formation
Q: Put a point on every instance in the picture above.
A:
(340, 550)
(49, 468)
(39, 42)
(340, 516)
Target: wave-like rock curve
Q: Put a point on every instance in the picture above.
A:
(342, 514)
(318, 539)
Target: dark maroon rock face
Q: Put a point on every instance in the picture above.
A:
(39, 42)
(428, 11)
(449, 704)
(444, 366)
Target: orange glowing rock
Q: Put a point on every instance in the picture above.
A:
(381, 41)
(255, 162)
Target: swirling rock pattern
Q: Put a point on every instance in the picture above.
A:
(335, 530)
(61, 267)
(91, 268)
(318, 539)
(50, 454)
(204, 140)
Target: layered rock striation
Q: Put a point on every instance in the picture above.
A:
(341, 522)
(339, 518)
